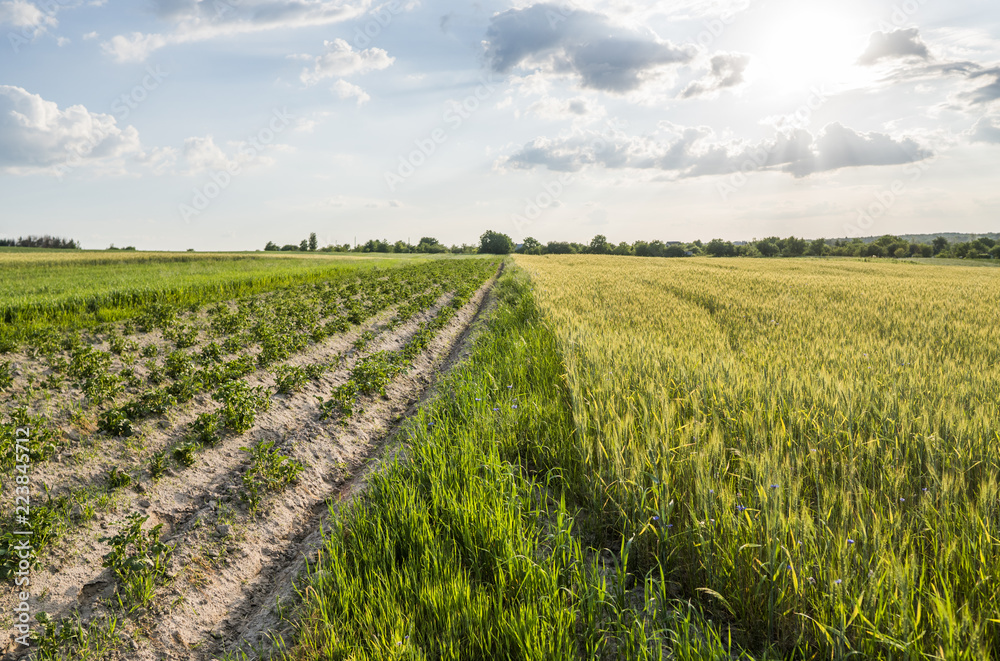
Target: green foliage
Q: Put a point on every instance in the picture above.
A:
(341, 404)
(6, 375)
(118, 479)
(184, 454)
(240, 404)
(139, 560)
(289, 379)
(158, 464)
(206, 429)
(269, 471)
(115, 423)
(495, 243)
(70, 639)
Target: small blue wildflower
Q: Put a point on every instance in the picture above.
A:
(740, 508)
(670, 525)
(479, 399)
(902, 500)
(656, 518)
(514, 406)
(496, 409)
(850, 541)
(711, 491)
(509, 387)
(837, 582)
(774, 486)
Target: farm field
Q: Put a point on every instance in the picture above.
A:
(81, 288)
(170, 468)
(691, 459)
(615, 458)
(808, 449)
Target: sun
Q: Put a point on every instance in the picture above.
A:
(805, 44)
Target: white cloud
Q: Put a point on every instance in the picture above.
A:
(986, 130)
(894, 45)
(563, 41)
(23, 14)
(35, 135)
(196, 20)
(203, 155)
(346, 90)
(341, 60)
(685, 152)
(726, 71)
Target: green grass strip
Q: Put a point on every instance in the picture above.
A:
(465, 549)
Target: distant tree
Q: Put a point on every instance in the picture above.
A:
(530, 246)
(720, 248)
(794, 247)
(271, 245)
(624, 249)
(996, 251)
(304, 245)
(675, 250)
(939, 244)
(558, 248)
(817, 248)
(431, 245)
(288, 247)
(45, 241)
(495, 243)
(312, 241)
(767, 248)
(599, 245)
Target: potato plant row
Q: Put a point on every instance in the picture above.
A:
(114, 385)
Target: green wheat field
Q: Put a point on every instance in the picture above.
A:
(638, 458)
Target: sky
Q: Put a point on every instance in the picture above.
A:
(225, 124)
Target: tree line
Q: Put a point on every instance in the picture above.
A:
(427, 245)
(885, 246)
(500, 244)
(45, 241)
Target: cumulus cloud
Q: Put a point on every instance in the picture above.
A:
(558, 40)
(893, 45)
(694, 152)
(340, 60)
(197, 20)
(35, 135)
(346, 90)
(22, 14)
(726, 71)
(203, 155)
(986, 130)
